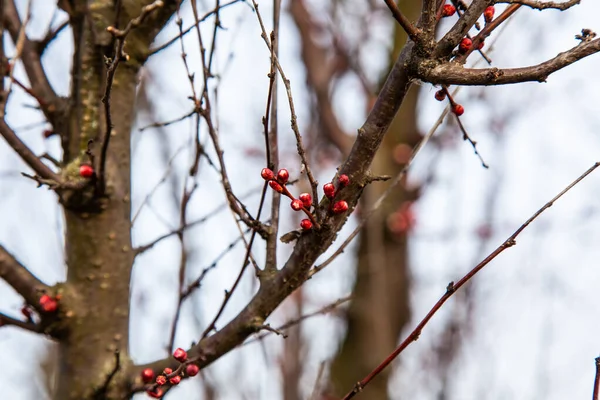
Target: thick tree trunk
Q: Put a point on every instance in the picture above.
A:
(100, 258)
(98, 225)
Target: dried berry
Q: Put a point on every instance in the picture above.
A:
(440, 95)
(175, 380)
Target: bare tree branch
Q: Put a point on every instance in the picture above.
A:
(542, 5)
(6, 320)
(20, 279)
(26, 154)
(408, 27)
(455, 74)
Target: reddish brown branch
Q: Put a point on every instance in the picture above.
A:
(453, 287)
(20, 279)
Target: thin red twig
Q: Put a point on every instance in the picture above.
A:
(453, 287)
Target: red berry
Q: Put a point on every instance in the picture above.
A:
(465, 45)
(156, 393)
(343, 180)
(86, 171)
(50, 306)
(147, 375)
(440, 95)
(306, 224)
(329, 190)
(44, 299)
(306, 199)
(180, 355)
(161, 380)
(340, 207)
(448, 10)
(297, 204)
(175, 380)
(192, 370)
(458, 109)
(267, 174)
(276, 186)
(488, 14)
(282, 176)
(167, 371)
(481, 44)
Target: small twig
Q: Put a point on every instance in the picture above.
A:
(542, 5)
(196, 283)
(214, 212)
(189, 29)
(322, 311)
(408, 27)
(269, 328)
(5, 320)
(453, 287)
(42, 45)
(20, 279)
(294, 120)
(167, 123)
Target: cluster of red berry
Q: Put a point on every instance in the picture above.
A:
(464, 47)
(304, 201)
(173, 378)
